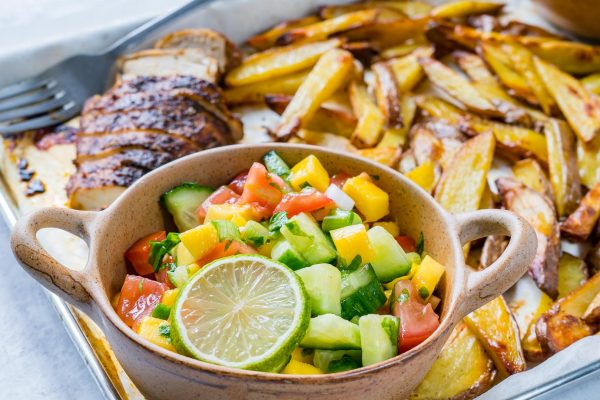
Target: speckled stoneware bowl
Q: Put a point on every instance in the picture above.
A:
(161, 374)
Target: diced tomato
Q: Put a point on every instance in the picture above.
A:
(139, 296)
(339, 179)
(262, 188)
(223, 195)
(224, 249)
(407, 243)
(237, 184)
(138, 253)
(417, 320)
(161, 275)
(321, 213)
(308, 200)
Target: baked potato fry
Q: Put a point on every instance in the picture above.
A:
(588, 161)
(323, 29)
(279, 61)
(267, 39)
(572, 273)
(497, 330)
(401, 50)
(464, 8)
(562, 163)
(577, 104)
(255, 92)
(385, 12)
(324, 139)
(592, 313)
(538, 210)
(328, 75)
(463, 182)
(370, 119)
(396, 137)
(571, 57)
(412, 9)
(463, 369)
(407, 70)
(530, 173)
(424, 144)
(388, 33)
(424, 175)
(592, 83)
(387, 95)
(581, 222)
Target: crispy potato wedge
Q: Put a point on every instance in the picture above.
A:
(407, 70)
(538, 210)
(440, 109)
(408, 162)
(562, 163)
(593, 259)
(572, 273)
(588, 161)
(324, 139)
(328, 75)
(424, 175)
(279, 61)
(412, 9)
(492, 248)
(401, 50)
(463, 369)
(396, 137)
(424, 144)
(581, 222)
(388, 156)
(571, 57)
(364, 52)
(577, 104)
(457, 86)
(384, 11)
(388, 33)
(592, 83)
(530, 173)
(497, 330)
(267, 39)
(323, 29)
(464, 8)
(387, 95)
(370, 119)
(592, 313)
(256, 92)
(487, 200)
(463, 182)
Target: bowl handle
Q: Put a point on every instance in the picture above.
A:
(63, 281)
(485, 285)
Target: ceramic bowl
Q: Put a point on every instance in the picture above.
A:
(161, 374)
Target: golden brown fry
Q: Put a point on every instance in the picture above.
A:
(401, 50)
(592, 83)
(473, 66)
(328, 75)
(324, 139)
(581, 222)
(577, 104)
(267, 39)
(562, 163)
(571, 57)
(364, 52)
(370, 119)
(588, 161)
(497, 330)
(396, 137)
(440, 109)
(385, 12)
(323, 29)
(412, 9)
(388, 33)
(463, 370)
(387, 95)
(530, 173)
(407, 70)
(572, 273)
(424, 175)
(592, 313)
(279, 61)
(424, 144)
(256, 92)
(388, 156)
(538, 210)
(464, 8)
(463, 182)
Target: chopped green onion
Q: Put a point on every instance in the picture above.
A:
(420, 244)
(339, 219)
(226, 230)
(158, 250)
(161, 311)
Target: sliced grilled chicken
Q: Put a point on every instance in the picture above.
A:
(139, 158)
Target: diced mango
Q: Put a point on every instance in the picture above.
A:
(239, 214)
(351, 241)
(152, 329)
(200, 240)
(265, 249)
(168, 298)
(423, 175)
(183, 255)
(389, 226)
(427, 277)
(299, 368)
(299, 354)
(309, 171)
(372, 202)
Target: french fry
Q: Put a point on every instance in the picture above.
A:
(592, 83)
(370, 119)
(571, 57)
(267, 39)
(592, 313)
(572, 273)
(388, 33)
(401, 50)
(538, 210)
(384, 11)
(387, 95)
(577, 104)
(497, 330)
(424, 175)
(396, 137)
(424, 144)
(588, 161)
(324, 139)
(464, 8)
(581, 222)
(463, 370)
(407, 70)
(328, 75)
(412, 9)
(323, 29)
(364, 52)
(255, 92)
(562, 163)
(279, 61)
(388, 156)
(530, 173)
(440, 109)
(463, 182)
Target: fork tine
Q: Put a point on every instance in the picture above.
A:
(36, 109)
(24, 86)
(67, 112)
(30, 98)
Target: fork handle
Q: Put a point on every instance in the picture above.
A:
(134, 37)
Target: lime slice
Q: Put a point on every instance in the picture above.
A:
(244, 311)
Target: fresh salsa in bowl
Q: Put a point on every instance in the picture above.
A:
(283, 269)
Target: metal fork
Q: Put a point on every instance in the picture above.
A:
(58, 93)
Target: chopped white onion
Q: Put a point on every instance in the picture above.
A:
(340, 198)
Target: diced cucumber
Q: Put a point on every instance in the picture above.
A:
(161, 311)
(182, 202)
(378, 337)
(276, 165)
(330, 332)
(180, 275)
(255, 234)
(340, 219)
(413, 258)
(331, 361)
(305, 235)
(362, 293)
(323, 283)
(283, 252)
(390, 260)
